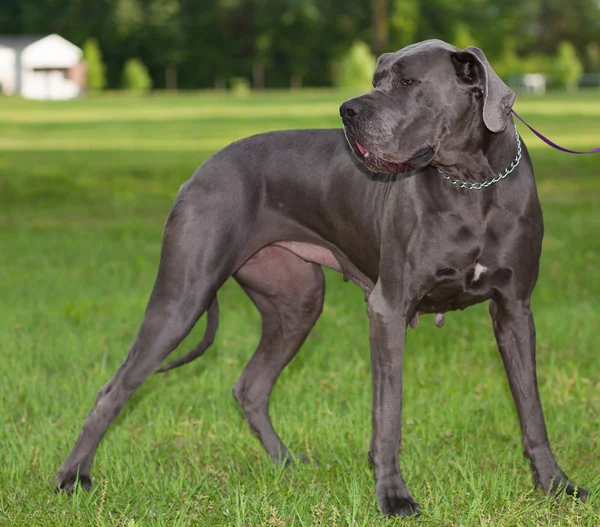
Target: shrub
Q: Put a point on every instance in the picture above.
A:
(462, 37)
(135, 76)
(566, 68)
(96, 70)
(240, 86)
(357, 67)
(508, 63)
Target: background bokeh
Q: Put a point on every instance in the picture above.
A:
(195, 44)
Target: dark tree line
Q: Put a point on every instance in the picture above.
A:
(200, 43)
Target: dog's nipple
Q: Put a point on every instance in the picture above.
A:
(414, 322)
(439, 319)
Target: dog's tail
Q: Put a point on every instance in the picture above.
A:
(212, 323)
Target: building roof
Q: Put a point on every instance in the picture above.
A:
(19, 41)
(48, 51)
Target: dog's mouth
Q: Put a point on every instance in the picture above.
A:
(379, 163)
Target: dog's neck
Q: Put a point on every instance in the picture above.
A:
(482, 157)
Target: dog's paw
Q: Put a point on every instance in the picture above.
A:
(66, 481)
(293, 459)
(397, 501)
(570, 489)
(581, 493)
(299, 458)
(561, 485)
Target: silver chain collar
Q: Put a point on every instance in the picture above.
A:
(484, 184)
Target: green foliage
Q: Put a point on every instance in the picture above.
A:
(566, 67)
(96, 71)
(462, 37)
(592, 52)
(535, 63)
(135, 76)
(294, 39)
(240, 86)
(403, 22)
(509, 63)
(128, 17)
(357, 67)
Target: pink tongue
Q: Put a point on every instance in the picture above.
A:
(361, 148)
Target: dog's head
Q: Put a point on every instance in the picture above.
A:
(422, 96)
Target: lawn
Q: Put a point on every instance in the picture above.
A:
(85, 187)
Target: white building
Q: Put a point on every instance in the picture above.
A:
(41, 67)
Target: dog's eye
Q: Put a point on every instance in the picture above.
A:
(404, 82)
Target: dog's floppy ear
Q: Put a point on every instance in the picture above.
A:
(498, 99)
(382, 57)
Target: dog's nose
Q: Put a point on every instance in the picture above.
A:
(350, 109)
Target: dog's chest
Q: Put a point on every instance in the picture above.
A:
(463, 272)
(455, 288)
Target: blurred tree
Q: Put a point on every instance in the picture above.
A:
(163, 40)
(592, 53)
(96, 70)
(356, 68)
(194, 43)
(135, 76)
(508, 62)
(262, 46)
(404, 22)
(239, 86)
(577, 21)
(566, 68)
(128, 17)
(298, 20)
(380, 26)
(462, 37)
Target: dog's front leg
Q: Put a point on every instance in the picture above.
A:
(387, 323)
(515, 334)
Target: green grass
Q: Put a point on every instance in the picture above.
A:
(85, 187)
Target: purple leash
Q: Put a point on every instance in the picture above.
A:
(554, 145)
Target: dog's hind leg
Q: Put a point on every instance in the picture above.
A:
(195, 261)
(288, 292)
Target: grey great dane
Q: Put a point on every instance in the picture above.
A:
(426, 200)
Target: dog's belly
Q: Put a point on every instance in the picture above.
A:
(319, 255)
